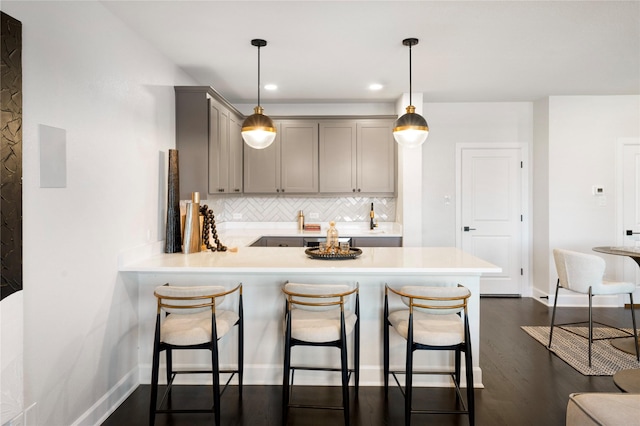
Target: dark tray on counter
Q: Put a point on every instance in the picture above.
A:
(314, 253)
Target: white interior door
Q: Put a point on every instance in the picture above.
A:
(491, 214)
(631, 208)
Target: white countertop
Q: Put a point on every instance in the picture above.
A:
(374, 260)
(240, 235)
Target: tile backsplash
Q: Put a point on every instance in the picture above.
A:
(285, 209)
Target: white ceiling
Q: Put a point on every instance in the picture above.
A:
(330, 51)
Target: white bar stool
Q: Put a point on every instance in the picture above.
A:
(436, 319)
(193, 322)
(315, 315)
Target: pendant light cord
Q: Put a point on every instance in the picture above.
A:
(258, 75)
(410, 90)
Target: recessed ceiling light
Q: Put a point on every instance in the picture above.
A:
(375, 86)
(270, 87)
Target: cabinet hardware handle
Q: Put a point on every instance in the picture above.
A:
(220, 189)
(237, 190)
(630, 232)
(467, 229)
(282, 189)
(358, 189)
(283, 245)
(277, 190)
(354, 190)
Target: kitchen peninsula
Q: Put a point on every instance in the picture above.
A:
(263, 270)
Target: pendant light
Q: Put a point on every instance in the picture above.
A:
(411, 129)
(258, 131)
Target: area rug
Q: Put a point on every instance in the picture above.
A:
(574, 350)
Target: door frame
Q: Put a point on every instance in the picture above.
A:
(525, 195)
(619, 219)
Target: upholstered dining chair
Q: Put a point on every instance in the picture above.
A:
(435, 320)
(319, 315)
(583, 273)
(193, 320)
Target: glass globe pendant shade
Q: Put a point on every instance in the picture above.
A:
(411, 129)
(258, 130)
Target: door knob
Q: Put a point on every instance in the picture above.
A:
(467, 229)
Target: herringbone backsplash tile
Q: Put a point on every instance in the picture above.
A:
(285, 209)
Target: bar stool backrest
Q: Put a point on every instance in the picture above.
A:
(439, 300)
(189, 300)
(316, 297)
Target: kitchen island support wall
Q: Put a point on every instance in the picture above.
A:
(264, 308)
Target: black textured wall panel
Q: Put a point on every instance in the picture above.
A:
(11, 154)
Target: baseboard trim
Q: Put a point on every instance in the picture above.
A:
(109, 402)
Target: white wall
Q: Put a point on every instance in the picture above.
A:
(85, 72)
(450, 124)
(582, 145)
(11, 357)
(540, 209)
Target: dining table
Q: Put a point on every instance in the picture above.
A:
(626, 344)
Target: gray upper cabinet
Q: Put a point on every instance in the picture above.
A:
(299, 156)
(288, 165)
(208, 141)
(262, 166)
(225, 150)
(192, 141)
(236, 147)
(338, 156)
(309, 155)
(376, 156)
(357, 156)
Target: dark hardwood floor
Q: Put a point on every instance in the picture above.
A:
(524, 383)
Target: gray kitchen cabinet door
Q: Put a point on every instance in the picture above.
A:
(192, 141)
(337, 156)
(262, 168)
(236, 145)
(225, 150)
(377, 242)
(288, 165)
(218, 148)
(357, 156)
(376, 156)
(299, 157)
(283, 241)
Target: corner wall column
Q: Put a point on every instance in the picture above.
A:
(409, 206)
